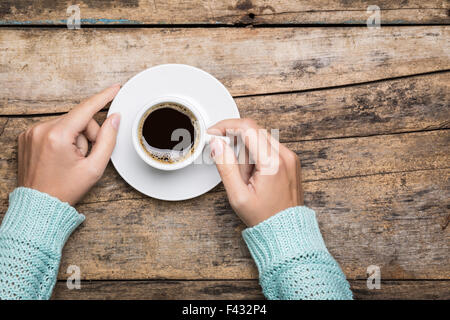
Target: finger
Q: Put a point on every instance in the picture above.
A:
(105, 142)
(82, 144)
(254, 138)
(223, 126)
(245, 167)
(293, 167)
(78, 118)
(20, 165)
(50, 122)
(92, 130)
(228, 168)
(300, 200)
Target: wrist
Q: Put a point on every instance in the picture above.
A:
(39, 218)
(290, 234)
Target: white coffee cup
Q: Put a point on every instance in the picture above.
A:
(203, 138)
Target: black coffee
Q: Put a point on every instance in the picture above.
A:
(169, 132)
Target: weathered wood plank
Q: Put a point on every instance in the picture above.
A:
(201, 238)
(418, 103)
(160, 290)
(124, 12)
(411, 104)
(395, 221)
(50, 70)
(394, 106)
(400, 290)
(360, 16)
(231, 289)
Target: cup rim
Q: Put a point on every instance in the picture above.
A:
(168, 166)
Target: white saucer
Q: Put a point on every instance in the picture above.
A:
(163, 80)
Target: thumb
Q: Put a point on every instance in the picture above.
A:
(105, 142)
(228, 168)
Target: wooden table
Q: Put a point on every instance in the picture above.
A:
(367, 111)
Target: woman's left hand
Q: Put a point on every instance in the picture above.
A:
(53, 154)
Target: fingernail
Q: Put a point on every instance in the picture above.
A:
(116, 85)
(216, 148)
(115, 120)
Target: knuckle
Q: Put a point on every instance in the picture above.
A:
(54, 137)
(281, 165)
(249, 129)
(94, 172)
(291, 157)
(226, 172)
(249, 123)
(239, 200)
(34, 133)
(28, 133)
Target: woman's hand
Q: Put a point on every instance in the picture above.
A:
(53, 154)
(260, 188)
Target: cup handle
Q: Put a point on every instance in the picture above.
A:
(209, 137)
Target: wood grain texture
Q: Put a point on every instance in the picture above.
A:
(321, 159)
(201, 238)
(237, 290)
(56, 68)
(417, 103)
(161, 290)
(404, 105)
(395, 221)
(374, 155)
(400, 290)
(132, 12)
(363, 199)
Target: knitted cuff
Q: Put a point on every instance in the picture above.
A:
(291, 233)
(40, 218)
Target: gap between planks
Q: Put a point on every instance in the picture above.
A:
(219, 190)
(212, 26)
(412, 76)
(230, 280)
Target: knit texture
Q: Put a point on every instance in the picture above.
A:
(292, 259)
(32, 235)
(288, 249)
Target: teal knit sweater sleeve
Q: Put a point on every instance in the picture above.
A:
(288, 249)
(292, 259)
(32, 235)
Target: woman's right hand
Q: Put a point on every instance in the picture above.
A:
(260, 188)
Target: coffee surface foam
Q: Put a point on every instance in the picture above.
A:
(169, 156)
